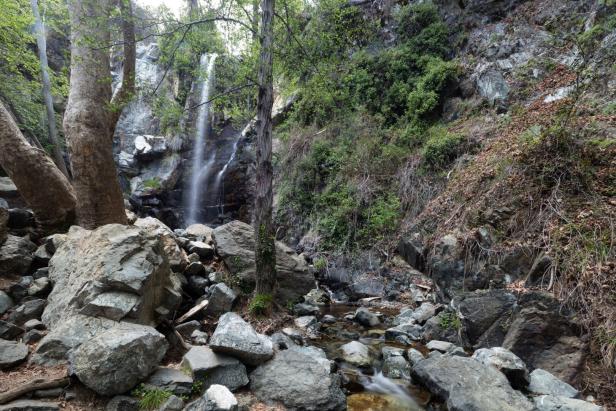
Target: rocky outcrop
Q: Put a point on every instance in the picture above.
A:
(116, 360)
(313, 387)
(235, 244)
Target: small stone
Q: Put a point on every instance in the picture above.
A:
(32, 336)
(542, 382)
(199, 337)
(193, 258)
(27, 311)
(305, 322)
(204, 250)
(316, 296)
(187, 328)
(356, 353)
(41, 273)
(41, 256)
(12, 353)
(328, 319)
(197, 285)
(195, 268)
(5, 302)
(34, 325)
(216, 277)
(305, 309)
(8, 330)
(440, 346)
(366, 318)
(410, 331)
(41, 287)
(211, 368)
(170, 379)
(216, 398)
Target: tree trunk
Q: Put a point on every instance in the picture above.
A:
(265, 251)
(51, 116)
(87, 117)
(41, 184)
(127, 90)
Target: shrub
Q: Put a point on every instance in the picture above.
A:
(441, 148)
(150, 398)
(260, 304)
(449, 321)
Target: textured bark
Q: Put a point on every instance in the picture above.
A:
(127, 90)
(265, 251)
(87, 117)
(41, 184)
(51, 115)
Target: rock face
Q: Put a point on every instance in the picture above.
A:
(16, 255)
(466, 384)
(112, 273)
(116, 360)
(12, 353)
(211, 368)
(236, 337)
(300, 379)
(235, 244)
(542, 382)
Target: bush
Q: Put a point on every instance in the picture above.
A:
(260, 304)
(441, 148)
(150, 398)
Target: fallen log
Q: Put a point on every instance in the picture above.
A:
(35, 385)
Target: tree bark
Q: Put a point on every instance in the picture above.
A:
(41, 184)
(127, 90)
(265, 251)
(51, 116)
(87, 117)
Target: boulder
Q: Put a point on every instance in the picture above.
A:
(440, 346)
(411, 331)
(16, 255)
(195, 268)
(356, 353)
(123, 403)
(552, 403)
(412, 250)
(236, 337)
(305, 309)
(12, 353)
(216, 398)
(366, 317)
(27, 311)
(5, 302)
(203, 250)
(466, 384)
(443, 327)
(506, 362)
(187, 328)
(492, 86)
(221, 299)
(545, 336)
(173, 403)
(235, 244)
(211, 368)
(313, 387)
(316, 296)
(544, 383)
(32, 336)
(414, 356)
(394, 364)
(170, 379)
(117, 359)
(8, 330)
(200, 232)
(29, 405)
(176, 256)
(305, 322)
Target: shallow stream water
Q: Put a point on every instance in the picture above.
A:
(368, 389)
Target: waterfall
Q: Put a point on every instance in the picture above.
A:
(221, 173)
(200, 166)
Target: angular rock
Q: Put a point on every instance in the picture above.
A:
(211, 368)
(29, 405)
(235, 244)
(41, 287)
(305, 322)
(465, 384)
(414, 356)
(200, 232)
(27, 311)
(5, 302)
(506, 362)
(170, 379)
(367, 285)
(411, 331)
(544, 383)
(195, 268)
(412, 250)
(443, 328)
(216, 398)
(34, 325)
(314, 388)
(176, 256)
(366, 318)
(197, 285)
(316, 296)
(41, 256)
(187, 328)
(394, 364)
(8, 330)
(12, 353)
(552, 403)
(199, 337)
(32, 336)
(440, 346)
(236, 337)
(113, 305)
(116, 360)
(221, 299)
(173, 403)
(356, 353)
(122, 403)
(305, 309)
(16, 255)
(202, 249)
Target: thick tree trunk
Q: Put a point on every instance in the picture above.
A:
(265, 251)
(127, 90)
(41, 184)
(51, 115)
(87, 117)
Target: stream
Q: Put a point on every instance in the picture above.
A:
(368, 389)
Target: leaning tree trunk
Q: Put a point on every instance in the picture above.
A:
(265, 251)
(41, 184)
(127, 90)
(51, 115)
(87, 117)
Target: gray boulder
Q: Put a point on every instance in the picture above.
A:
(27, 311)
(542, 382)
(420, 315)
(492, 86)
(177, 257)
(12, 353)
(211, 368)
(553, 403)
(356, 353)
(116, 360)
(6, 302)
(216, 398)
(506, 362)
(221, 300)
(170, 379)
(300, 380)
(236, 337)
(412, 332)
(440, 346)
(414, 356)
(16, 255)
(235, 244)
(200, 232)
(173, 403)
(203, 250)
(8, 330)
(394, 364)
(29, 405)
(466, 384)
(366, 317)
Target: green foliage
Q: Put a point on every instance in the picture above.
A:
(441, 148)
(150, 398)
(449, 320)
(169, 112)
(197, 387)
(320, 263)
(260, 304)
(152, 183)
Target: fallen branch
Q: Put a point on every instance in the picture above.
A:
(192, 311)
(35, 385)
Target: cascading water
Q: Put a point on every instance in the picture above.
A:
(200, 167)
(221, 173)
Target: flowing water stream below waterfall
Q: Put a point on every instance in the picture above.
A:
(367, 388)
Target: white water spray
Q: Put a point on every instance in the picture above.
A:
(383, 385)
(201, 167)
